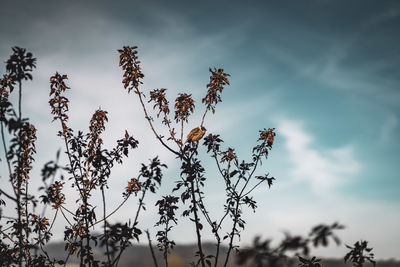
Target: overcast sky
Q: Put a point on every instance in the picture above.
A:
(324, 73)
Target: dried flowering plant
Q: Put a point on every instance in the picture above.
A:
(90, 166)
(24, 231)
(25, 234)
(239, 176)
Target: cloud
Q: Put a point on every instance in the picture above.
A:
(388, 129)
(324, 169)
(387, 14)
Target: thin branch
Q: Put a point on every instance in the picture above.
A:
(19, 99)
(52, 181)
(232, 235)
(171, 131)
(7, 195)
(5, 149)
(109, 215)
(125, 243)
(65, 217)
(197, 221)
(105, 225)
(151, 124)
(204, 115)
(71, 163)
(5, 154)
(253, 188)
(182, 131)
(151, 248)
(67, 210)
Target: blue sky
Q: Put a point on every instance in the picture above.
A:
(324, 73)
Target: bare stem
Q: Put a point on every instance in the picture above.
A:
(19, 100)
(197, 221)
(151, 248)
(166, 247)
(151, 124)
(125, 243)
(182, 131)
(65, 217)
(7, 195)
(253, 188)
(5, 149)
(8, 162)
(202, 119)
(235, 213)
(109, 215)
(105, 225)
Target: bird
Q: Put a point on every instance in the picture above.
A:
(196, 134)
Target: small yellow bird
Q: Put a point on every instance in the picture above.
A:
(196, 134)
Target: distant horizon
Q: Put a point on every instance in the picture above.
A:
(206, 243)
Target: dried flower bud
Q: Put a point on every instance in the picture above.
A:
(228, 155)
(55, 195)
(5, 83)
(158, 96)
(267, 136)
(96, 126)
(218, 80)
(130, 64)
(184, 106)
(59, 103)
(133, 185)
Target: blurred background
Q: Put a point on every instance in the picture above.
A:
(324, 73)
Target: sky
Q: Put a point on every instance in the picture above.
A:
(324, 73)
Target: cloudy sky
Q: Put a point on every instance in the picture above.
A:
(324, 73)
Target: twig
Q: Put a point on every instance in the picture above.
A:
(197, 221)
(114, 211)
(151, 248)
(124, 244)
(6, 156)
(204, 115)
(7, 195)
(19, 100)
(253, 188)
(105, 225)
(232, 235)
(151, 124)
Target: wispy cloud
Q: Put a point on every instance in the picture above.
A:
(322, 169)
(388, 129)
(387, 14)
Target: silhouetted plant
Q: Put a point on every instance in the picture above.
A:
(313, 262)
(90, 167)
(27, 231)
(25, 234)
(239, 176)
(18, 67)
(320, 234)
(262, 254)
(359, 254)
(166, 210)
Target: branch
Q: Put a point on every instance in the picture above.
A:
(151, 124)
(109, 215)
(151, 248)
(7, 195)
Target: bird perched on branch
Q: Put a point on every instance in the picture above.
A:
(196, 134)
